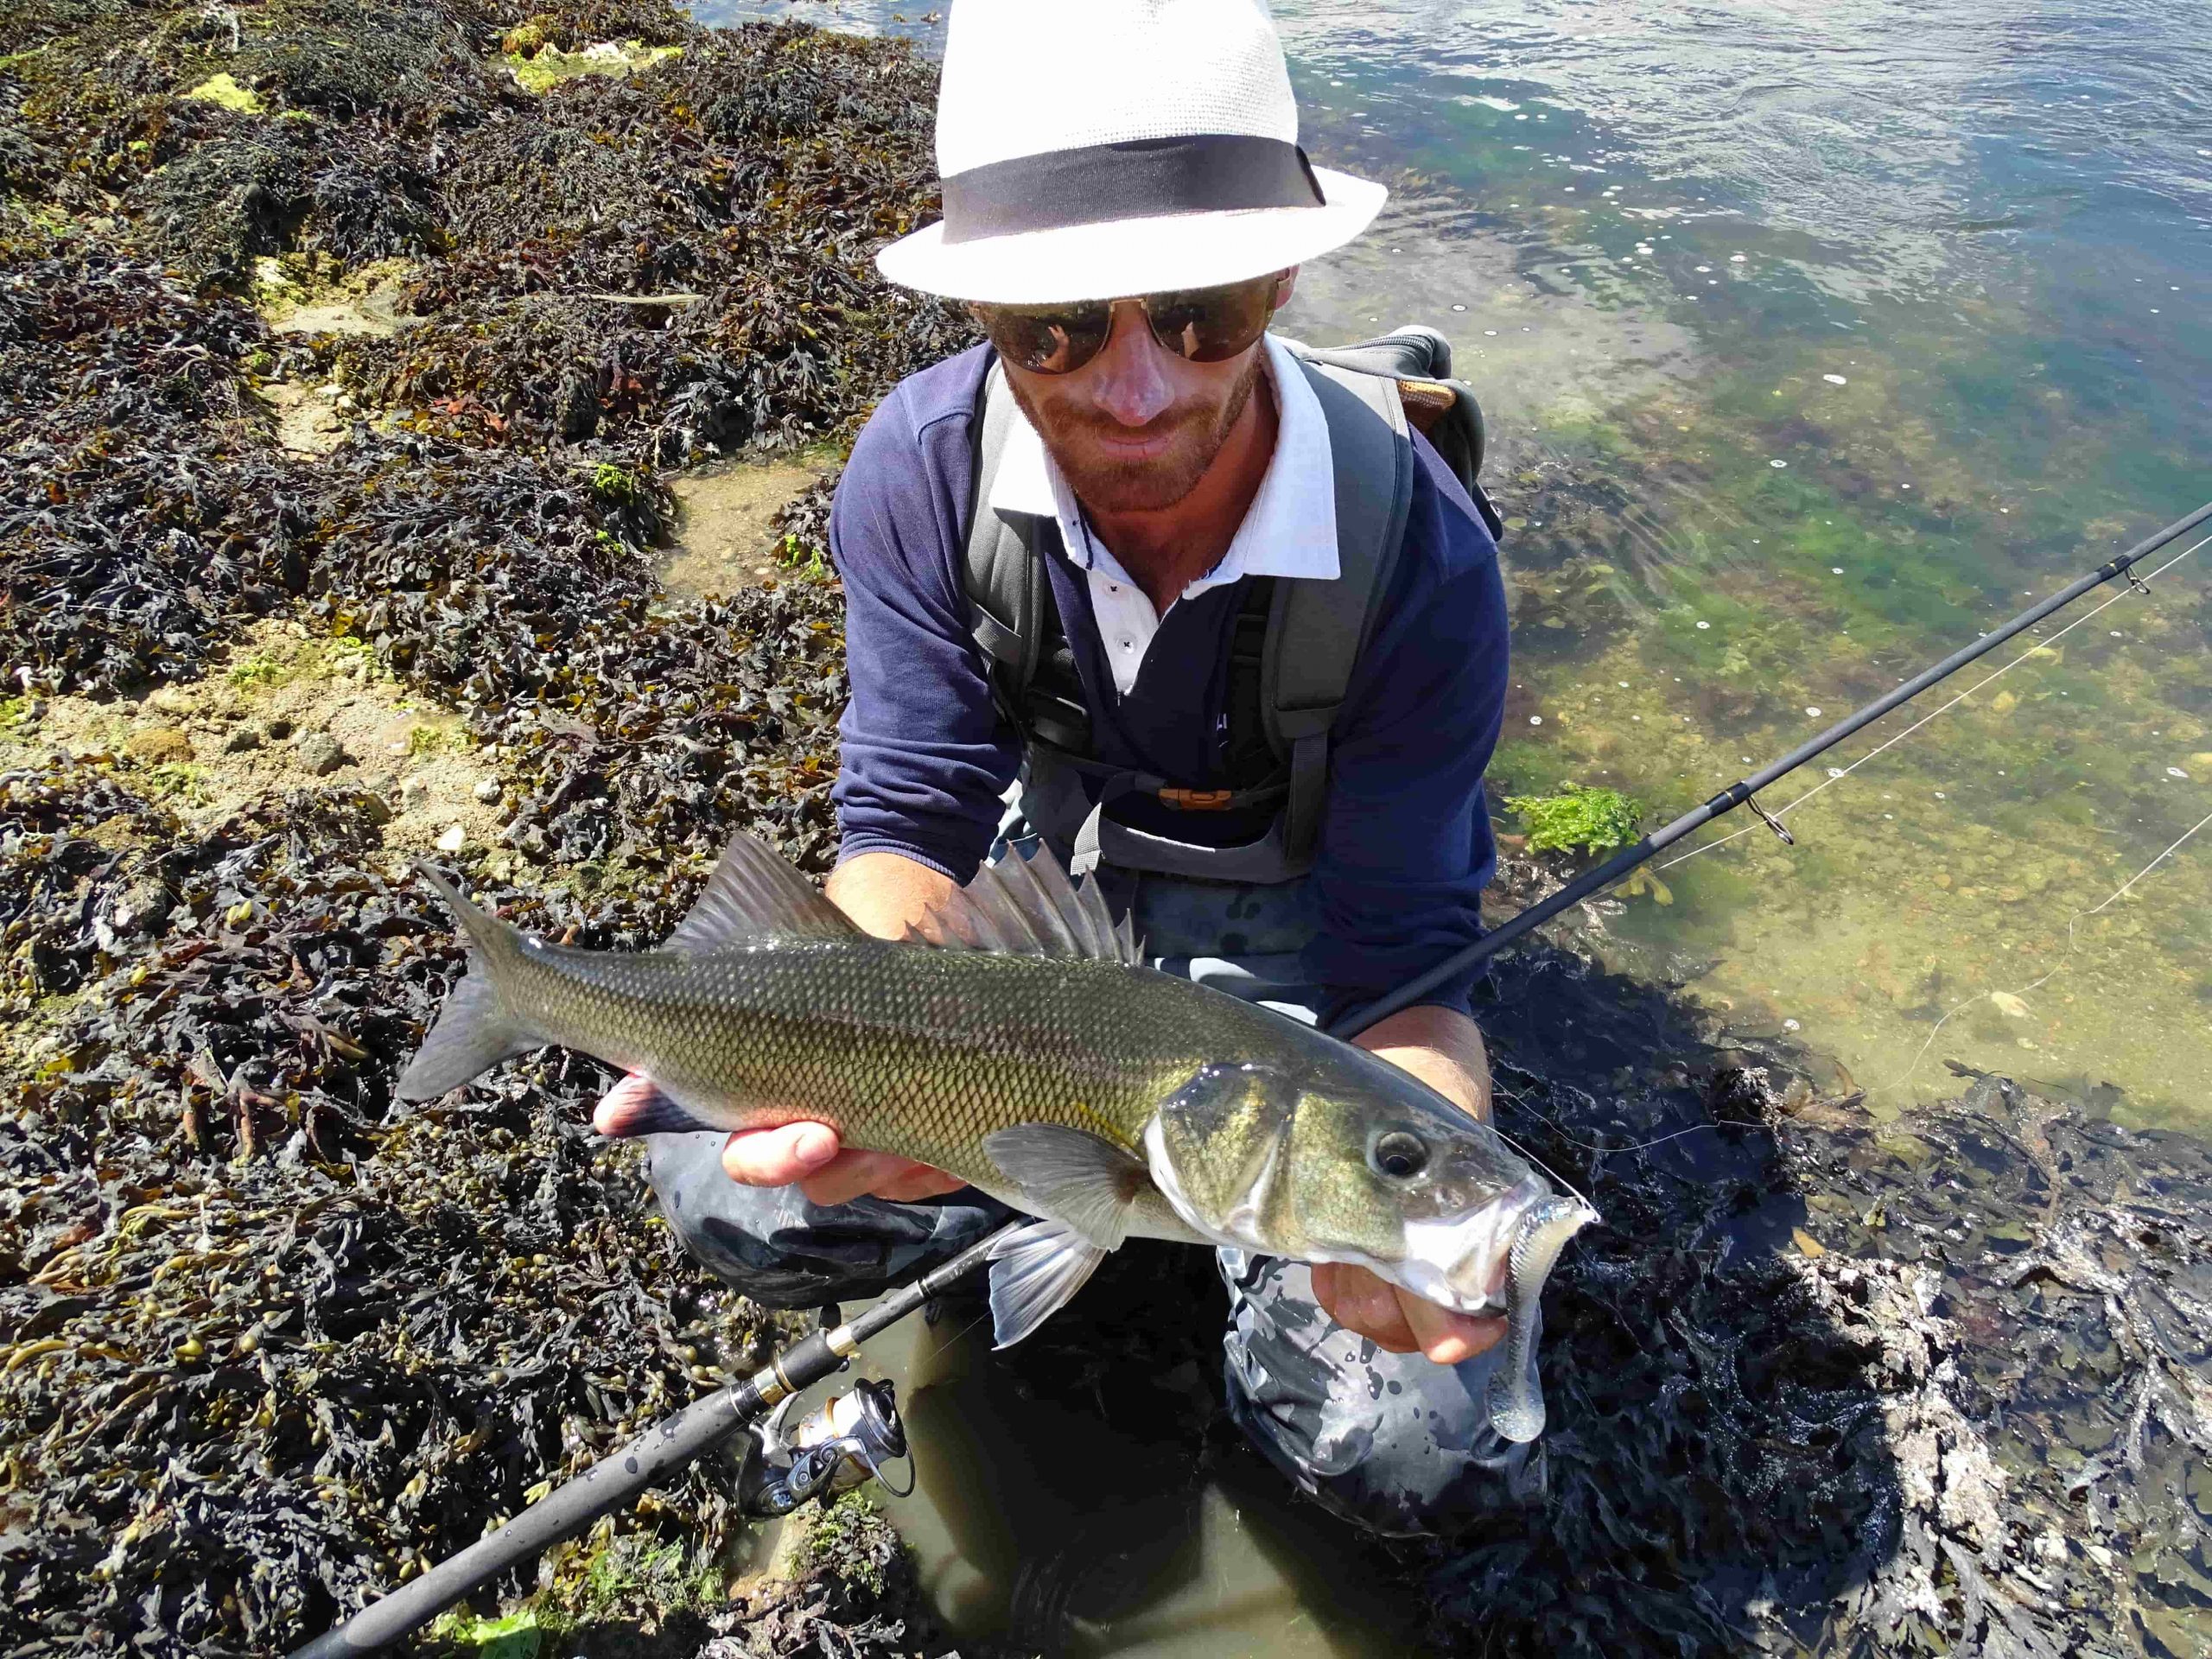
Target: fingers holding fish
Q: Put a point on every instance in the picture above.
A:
(1363, 1304)
(1446, 1337)
(783, 1155)
(1397, 1319)
(853, 1173)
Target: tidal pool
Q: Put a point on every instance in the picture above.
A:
(1815, 340)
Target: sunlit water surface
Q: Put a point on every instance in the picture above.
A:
(1815, 338)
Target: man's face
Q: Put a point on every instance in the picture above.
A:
(1137, 428)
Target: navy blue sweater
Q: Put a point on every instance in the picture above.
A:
(1405, 847)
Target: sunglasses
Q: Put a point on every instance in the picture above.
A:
(1201, 324)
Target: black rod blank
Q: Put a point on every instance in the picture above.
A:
(1737, 793)
(617, 1479)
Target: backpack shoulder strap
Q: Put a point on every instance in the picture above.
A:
(1316, 629)
(1003, 574)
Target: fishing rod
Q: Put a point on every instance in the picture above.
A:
(1743, 790)
(870, 1437)
(854, 1435)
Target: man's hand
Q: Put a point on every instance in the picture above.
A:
(805, 1154)
(1397, 1320)
(809, 1154)
(1442, 1047)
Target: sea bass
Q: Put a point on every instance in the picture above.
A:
(1015, 1039)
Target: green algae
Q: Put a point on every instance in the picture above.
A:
(512, 1635)
(1666, 659)
(1578, 818)
(540, 70)
(225, 90)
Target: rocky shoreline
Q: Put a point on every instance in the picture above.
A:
(351, 350)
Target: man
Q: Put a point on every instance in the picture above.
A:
(1125, 208)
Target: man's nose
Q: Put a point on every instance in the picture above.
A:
(1129, 376)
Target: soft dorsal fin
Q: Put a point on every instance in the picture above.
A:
(754, 896)
(1028, 907)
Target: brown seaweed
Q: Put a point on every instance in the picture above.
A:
(275, 1342)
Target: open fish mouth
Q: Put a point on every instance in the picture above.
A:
(1496, 1261)
(1465, 1263)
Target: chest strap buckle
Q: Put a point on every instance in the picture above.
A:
(1197, 800)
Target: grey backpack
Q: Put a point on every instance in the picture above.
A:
(1294, 641)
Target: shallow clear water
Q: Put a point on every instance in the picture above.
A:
(1815, 339)
(1035, 1520)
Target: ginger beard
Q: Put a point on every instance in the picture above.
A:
(1196, 428)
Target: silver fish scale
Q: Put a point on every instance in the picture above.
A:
(900, 1048)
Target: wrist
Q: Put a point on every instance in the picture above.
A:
(1441, 1046)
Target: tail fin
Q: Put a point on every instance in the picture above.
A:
(474, 1032)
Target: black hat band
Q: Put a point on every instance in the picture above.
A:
(1140, 178)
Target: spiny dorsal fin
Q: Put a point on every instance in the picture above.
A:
(754, 896)
(1028, 907)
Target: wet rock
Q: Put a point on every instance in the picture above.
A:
(140, 912)
(321, 753)
(158, 744)
(279, 728)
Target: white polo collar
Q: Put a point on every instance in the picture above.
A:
(1290, 528)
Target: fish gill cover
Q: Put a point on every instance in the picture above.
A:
(273, 1342)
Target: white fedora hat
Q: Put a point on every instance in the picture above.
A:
(1093, 149)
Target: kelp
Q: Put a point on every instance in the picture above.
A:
(1825, 1382)
(679, 261)
(140, 507)
(275, 1342)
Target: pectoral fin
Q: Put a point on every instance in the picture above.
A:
(1034, 1273)
(1073, 1176)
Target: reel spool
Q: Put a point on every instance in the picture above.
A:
(842, 1444)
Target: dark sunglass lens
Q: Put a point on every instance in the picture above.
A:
(1207, 325)
(1054, 340)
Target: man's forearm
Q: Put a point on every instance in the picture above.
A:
(885, 892)
(1442, 1047)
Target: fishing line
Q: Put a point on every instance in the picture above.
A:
(2073, 943)
(1744, 790)
(1843, 773)
(1537, 1162)
(1560, 1129)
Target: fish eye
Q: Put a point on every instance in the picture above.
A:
(1400, 1154)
